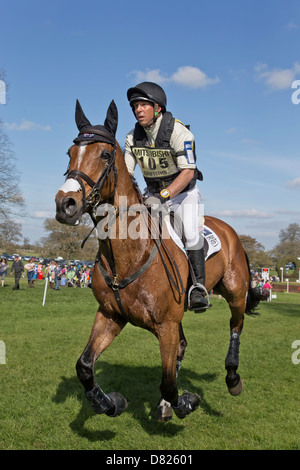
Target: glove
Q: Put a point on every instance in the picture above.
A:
(156, 205)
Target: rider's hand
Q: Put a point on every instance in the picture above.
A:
(156, 205)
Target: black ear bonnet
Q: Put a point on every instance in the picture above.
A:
(89, 134)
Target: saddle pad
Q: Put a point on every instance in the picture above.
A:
(212, 243)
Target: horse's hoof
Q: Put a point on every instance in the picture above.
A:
(120, 404)
(164, 411)
(187, 403)
(236, 390)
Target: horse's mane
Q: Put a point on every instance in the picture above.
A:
(137, 189)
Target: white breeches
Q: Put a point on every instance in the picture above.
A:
(188, 217)
(187, 211)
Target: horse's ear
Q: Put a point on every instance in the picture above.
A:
(80, 118)
(111, 121)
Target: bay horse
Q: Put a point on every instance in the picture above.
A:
(142, 280)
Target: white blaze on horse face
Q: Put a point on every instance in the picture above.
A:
(70, 185)
(81, 151)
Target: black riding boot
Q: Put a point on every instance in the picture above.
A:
(197, 295)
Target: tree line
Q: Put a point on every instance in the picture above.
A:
(64, 240)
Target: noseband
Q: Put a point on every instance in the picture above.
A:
(94, 197)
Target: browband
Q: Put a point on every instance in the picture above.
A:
(94, 134)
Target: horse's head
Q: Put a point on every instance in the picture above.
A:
(91, 175)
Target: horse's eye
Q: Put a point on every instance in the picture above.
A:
(105, 154)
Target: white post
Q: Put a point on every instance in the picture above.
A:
(281, 274)
(287, 286)
(45, 291)
(2, 353)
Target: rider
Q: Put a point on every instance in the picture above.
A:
(165, 151)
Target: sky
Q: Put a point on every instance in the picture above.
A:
(230, 69)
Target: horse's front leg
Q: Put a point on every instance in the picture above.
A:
(164, 409)
(103, 333)
(168, 335)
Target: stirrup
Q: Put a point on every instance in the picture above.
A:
(203, 289)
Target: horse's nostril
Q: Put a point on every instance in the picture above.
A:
(70, 206)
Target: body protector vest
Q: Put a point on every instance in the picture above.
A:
(158, 163)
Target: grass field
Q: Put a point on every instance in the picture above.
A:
(42, 405)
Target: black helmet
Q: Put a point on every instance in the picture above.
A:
(148, 91)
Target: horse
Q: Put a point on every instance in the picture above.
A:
(142, 280)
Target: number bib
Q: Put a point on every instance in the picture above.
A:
(155, 162)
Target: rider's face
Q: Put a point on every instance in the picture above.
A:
(144, 112)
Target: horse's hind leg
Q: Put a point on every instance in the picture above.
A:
(103, 333)
(164, 409)
(233, 380)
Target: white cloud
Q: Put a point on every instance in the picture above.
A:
(277, 79)
(294, 183)
(232, 130)
(192, 77)
(244, 213)
(189, 76)
(42, 214)
(26, 126)
(149, 76)
(287, 212)
(292, 25)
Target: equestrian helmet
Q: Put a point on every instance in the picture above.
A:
(148, 91)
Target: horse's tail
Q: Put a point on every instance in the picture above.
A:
(254, 296)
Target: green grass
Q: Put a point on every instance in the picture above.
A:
(42, 404)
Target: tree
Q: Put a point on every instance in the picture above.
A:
(291, 234)
(10, 233)
(283, 261)
(11, 199)
(65, 240)
(289, 242)
(26, 243)
(255, 251)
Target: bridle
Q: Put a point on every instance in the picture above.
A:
(93, 199)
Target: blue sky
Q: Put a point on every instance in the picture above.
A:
(227, 68)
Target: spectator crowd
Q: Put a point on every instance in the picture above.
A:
(58, 275)
(262, 284)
